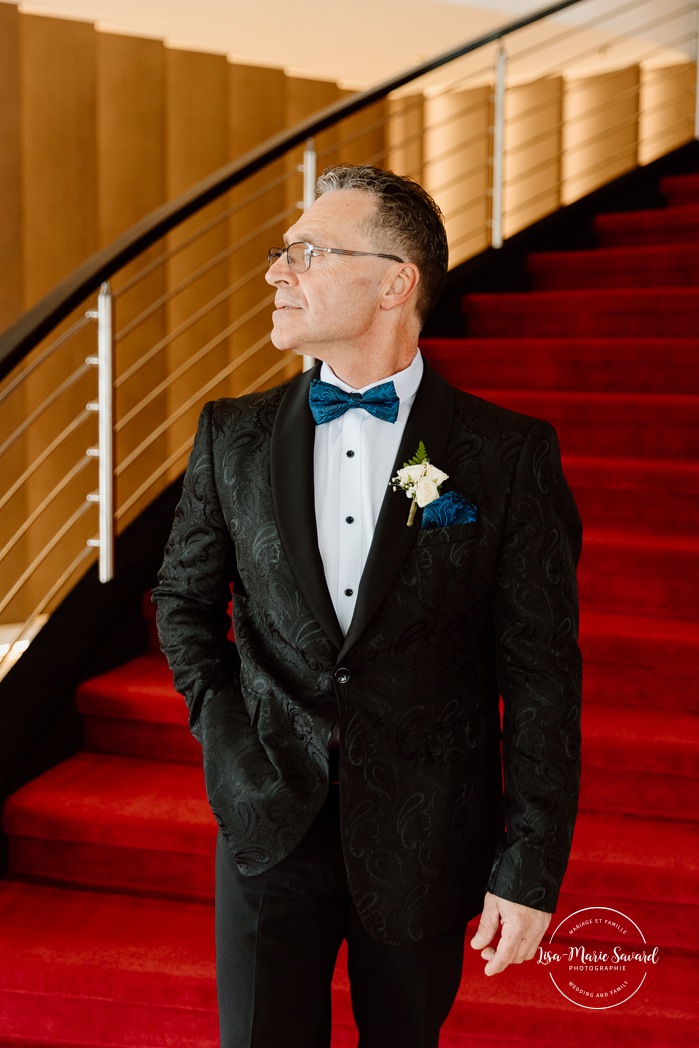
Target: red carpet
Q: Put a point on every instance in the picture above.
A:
(106, 917)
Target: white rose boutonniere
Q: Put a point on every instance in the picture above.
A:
(420, 481)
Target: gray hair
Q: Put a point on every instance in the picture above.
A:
(406, 222)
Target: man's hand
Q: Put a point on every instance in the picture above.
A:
(522, 930)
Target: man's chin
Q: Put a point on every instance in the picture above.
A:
(284, 345)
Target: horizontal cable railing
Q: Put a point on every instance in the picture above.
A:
(502, 131)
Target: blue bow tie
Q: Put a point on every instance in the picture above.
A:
(328, 402)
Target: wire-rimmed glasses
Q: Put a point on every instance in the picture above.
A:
(299, 254)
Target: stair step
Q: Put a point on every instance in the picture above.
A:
(524, 1001)
(672, 312)
(622, 425)
(623, 660)
(155, 834)
(120, 692)
(646, 664)
(646, 859)
(608, 640)
(644, 763)
(624, 572)
(622, 365)
(657, 265)
(646, 743)
(680, 190)
(676, 931)
(656, 795)
(661, 496)
(133, 971)
(134, 710)
(607, 351)
(672, 225)
(127, 971)
(115, 823)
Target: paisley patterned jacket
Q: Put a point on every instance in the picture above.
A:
(441, 797)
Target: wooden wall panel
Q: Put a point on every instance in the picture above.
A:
(305, 97)
(196, 144)
(13, 512)
(257, 106)
(404, 135)
(256, 112)
(10, 170)
(96, 130)
(456, 167)
(667, 110)
(600, 131)
(362, 137)
(59, 161)
(131, 183)
(130, 130)
(532, 163)
(59, 189)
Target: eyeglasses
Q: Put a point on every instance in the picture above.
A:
(299, 255)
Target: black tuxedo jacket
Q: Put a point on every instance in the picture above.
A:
(446, 619)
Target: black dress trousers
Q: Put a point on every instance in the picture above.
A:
(277, 940)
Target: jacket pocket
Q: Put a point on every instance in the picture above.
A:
(448, 533)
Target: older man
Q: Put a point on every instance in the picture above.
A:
(401, 554)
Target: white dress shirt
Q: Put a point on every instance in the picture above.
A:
(353, 461)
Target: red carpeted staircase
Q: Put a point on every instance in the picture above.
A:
(106, 923)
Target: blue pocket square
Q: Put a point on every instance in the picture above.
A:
(450, 508)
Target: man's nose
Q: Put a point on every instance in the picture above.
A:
(280, 272)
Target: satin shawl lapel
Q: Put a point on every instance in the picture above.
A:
(291, 461)
(430, 420)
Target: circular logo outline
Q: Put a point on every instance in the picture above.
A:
(599, 1007)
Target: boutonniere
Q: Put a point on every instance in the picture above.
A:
(420, 481)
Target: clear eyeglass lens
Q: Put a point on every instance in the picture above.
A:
(299, 256)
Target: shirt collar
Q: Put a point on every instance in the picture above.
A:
(406, 382)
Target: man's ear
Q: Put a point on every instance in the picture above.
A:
(401, 287)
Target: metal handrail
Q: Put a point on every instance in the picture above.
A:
(199, 308)
(43, 317)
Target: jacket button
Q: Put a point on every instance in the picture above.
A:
(342, 675)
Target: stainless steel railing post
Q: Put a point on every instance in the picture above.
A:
(105, 425)
(309, 195)
(498, 142)
(696, 83)
(309, 173)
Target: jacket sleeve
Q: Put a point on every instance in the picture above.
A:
(194, 592)
(539, 674)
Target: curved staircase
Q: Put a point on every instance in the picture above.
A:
(106, 922)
